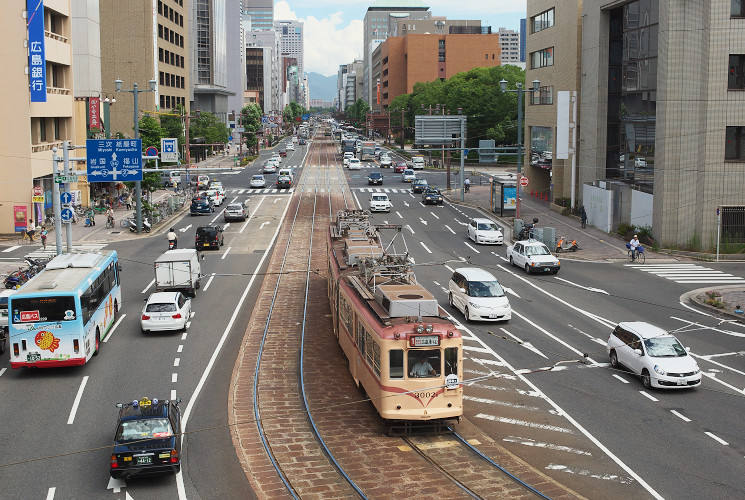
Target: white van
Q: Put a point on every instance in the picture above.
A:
(478, 295)
(417, 162)
(379, 202)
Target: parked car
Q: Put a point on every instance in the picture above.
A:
(284, 182)
(485, 231)
(147, 439)
(375, 178)
(258, 181)
(165, 311)
(209, 236)
(235, 211)
(408, 175)
(399, 167)
(419, 185)
(379, 202)
(355, 164)
(433, 196)
(654, 355)
(533, 256)
(478, 295)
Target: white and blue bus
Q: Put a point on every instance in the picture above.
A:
(61, 315)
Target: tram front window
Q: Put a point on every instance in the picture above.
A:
(424, 363)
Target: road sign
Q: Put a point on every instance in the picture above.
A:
(65, 214)
(38, 191)
(169, 150)
(65, 198)
(524, 181)
(65, 178)
(151, 151)
(112, 160)
(465, 152)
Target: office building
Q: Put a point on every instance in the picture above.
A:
(291, 41)
(509, 42)
(264, 68)
(523, 32)
(260, 13)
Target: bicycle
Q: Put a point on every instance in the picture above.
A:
(25, 238)
(125, 223)
(640, 257)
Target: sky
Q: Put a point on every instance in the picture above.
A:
(333, 28)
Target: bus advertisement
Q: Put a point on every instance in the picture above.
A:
(61, 315)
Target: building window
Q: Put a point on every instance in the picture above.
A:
(736, 77)
(542, 58)
(734, 149)
(42, 129)
(737, 8)
(545, 95)
(543, 20)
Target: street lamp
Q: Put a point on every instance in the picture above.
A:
(138, 184)
(520, 91)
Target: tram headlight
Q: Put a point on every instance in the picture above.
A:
(419, 328)
(429, 328)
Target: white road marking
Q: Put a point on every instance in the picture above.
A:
(524, 423)
(425, 247)
(620, 378)
(2, 370)
(435, 215)
(469, 246)
(173, 397)
(448, 228)
(410, 229)
(209, 282)
(547, 446)
(449, 268)
(683, 418)
(252, 214)
(436, 283)
(588, 288)
(505, 259)
(76, 403)
(10, 249)
(195, 395)
(184, 229)
(399, 215)
(174, 378)
(716, 438)
(180, 348)
(116, 485)
(647, 395)
(226, 253)
(227, 225)
(585, 472)
(422, 221)
(176, 361)
(50, 493)
(526, 345)
(144, 290)
(183, 337)
(111, 332)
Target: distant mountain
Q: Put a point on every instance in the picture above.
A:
(322, 87)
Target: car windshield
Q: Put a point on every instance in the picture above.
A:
(487, 226)
(155, 307)
(537, 250)
(206, 231)
(235, 207)
(485, 289)
(133, 430)
(380, 197)
(433, 192)
(257, 177)
(376, 174)
(408, 172)
(664, 347)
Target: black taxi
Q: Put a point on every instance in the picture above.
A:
(147, 439)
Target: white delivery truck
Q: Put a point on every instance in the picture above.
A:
(178, 270)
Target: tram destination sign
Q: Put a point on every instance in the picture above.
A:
(424, 340)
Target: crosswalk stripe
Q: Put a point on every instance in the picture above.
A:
(689, 273)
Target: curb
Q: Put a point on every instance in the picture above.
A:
(695, 297)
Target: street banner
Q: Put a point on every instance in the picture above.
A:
(19, 217)
(94, 113)
(37, 63)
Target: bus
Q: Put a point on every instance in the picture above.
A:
(60, 316)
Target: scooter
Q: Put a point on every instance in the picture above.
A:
(566, 244)
(145, 225)
(172, 244)
(527, 231)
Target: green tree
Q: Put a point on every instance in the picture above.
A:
(250, 120)
(173, 126)
(357, 112)
(150, 132)
(207, 125)
(291, 112)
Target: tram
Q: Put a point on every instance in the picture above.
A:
(401, 348)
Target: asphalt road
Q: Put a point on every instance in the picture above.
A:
(597, 430)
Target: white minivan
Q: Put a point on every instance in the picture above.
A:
(478, 295)
(379, 202)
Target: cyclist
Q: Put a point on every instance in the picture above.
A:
(633, 245)
(172, 237)
(467, 185)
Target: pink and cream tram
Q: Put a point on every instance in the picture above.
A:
(402, 349)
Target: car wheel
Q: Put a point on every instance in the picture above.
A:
(512, 263)
(614, 359)
(467, 315)
(646, 379)
(527, 269)
(98, 341)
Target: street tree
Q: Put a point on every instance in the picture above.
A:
(250, 120)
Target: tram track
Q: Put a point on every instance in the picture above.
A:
(314, 434)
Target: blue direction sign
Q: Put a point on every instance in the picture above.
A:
(112, 160)
(65, 198)
(66, 214)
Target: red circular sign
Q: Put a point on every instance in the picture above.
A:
(524, 181)
(38, 191)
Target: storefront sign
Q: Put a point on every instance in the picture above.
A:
(94, 113)
(19, 217)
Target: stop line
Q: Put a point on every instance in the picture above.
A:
(688, 273)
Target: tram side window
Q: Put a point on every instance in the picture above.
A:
(346, 314)
(424, 363)
(396, 363)
(376, 359)
(369, 348)
(451, 361)
(360, 337)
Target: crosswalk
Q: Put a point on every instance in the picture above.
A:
(688, 273)
(310, 188)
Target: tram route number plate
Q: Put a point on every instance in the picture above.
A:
(424, 340)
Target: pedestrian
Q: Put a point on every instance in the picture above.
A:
(583, 216)
(175, 186)
(129, 201)
(92, 216)
(31, 230)
(44, 234)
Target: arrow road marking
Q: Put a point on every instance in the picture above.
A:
(184, 229)
(422, 221)
(588, 288)
(406, 204)
(527, 345)
(116, 485)
(265, 223)
(412, 231)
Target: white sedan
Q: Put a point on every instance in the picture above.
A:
(485, 231)
(533, 256)
(165, 311)
(258, 181)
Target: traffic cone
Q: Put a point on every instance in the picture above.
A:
(531, 193)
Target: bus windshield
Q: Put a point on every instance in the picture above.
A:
(41, 309)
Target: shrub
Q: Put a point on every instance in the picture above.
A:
(566, 211)
(563, 202)
(624, 229)
(714, 302)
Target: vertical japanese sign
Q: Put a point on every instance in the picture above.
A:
(36, 59)
(94, 113)
(19, 217)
